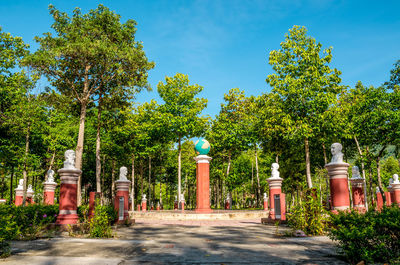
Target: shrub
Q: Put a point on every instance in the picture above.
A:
(309, 215)
(371, 237)
(5, 249)
(25, 222)
(100, 224)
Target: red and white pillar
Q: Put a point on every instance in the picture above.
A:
(265, 202)
(122, 197)
(339, 187)
(68, 196)
(357, 188)
(48, 192)
(144, 203)
(203, 184)
(182, 203)
(275, 190)
(396, 192)
(19, 193)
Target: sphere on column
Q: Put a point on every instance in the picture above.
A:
(202, 147)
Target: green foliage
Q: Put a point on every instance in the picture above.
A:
(100, 224)
(5, 249)
(373, 237)
(26, 222)
(309, 215)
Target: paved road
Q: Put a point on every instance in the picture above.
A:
(227, 242)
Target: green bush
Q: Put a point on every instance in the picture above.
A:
(371, 237)
(100, 224)
(5, 249)
(309, 215)
(25, 222)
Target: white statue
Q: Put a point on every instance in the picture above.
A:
(390, 183)
(228, 196)
(182, 198)
(355, 172)
(274, 171)
(144, 197)
(30, 188)
(50, 175)
(265, 196)
(176, 198)
(69, 159)
(377, 190)
(337, 155)
(396, 179)
(20, 184)
(123, 171)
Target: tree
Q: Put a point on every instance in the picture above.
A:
(305, 84)
(394, 77)
(181, 109)
(90, 52)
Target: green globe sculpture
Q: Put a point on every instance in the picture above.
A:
(202, 147)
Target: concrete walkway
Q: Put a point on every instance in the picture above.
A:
(227, 242)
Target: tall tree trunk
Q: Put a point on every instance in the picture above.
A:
(25, 170)
(326, 175)
(133, 184)
(113, 179)
(378, 171)
(179, 169)
(258, 179)
(308, 164)
(79, 148)
(141, 181)
(228, 168)
(103, 176)
(149, 189)
(11, 185)
(324, 150)
(98, 145)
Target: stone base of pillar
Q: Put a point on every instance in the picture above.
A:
(67, 219)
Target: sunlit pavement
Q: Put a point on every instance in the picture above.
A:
(180, 242)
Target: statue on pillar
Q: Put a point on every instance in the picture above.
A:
(337, 155)
(274, 171)
(355, 172)
(123, 171)
(50, 175)
(20, 184)
(69, 162)
(395, 179)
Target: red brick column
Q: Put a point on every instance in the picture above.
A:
(357, 188)
(19, 195)
(396, 192)
(275, 188)
(379, 199)
(203, 184)
(339, 186)
(144, 204)
(48, 192)
(265, 202)
(122, 187)
(68, 196)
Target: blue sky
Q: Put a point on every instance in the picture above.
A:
(225, 44)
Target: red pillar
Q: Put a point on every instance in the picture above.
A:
(339, 186)
(357, 188)
(203, 184)
(19, 195)
(48, 192)
(396, 193)
(144, 204)
(68, 196)
(379, 199)
(122, 187)
(265, 202)
(388, 198)
(275, 188)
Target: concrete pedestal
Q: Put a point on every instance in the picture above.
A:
(19, 195)
(339, 186)
(203, 184)
(396, 193)
(357, 188)
(48, 192)
(68, 196)
(277, 211)
(122, 199)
